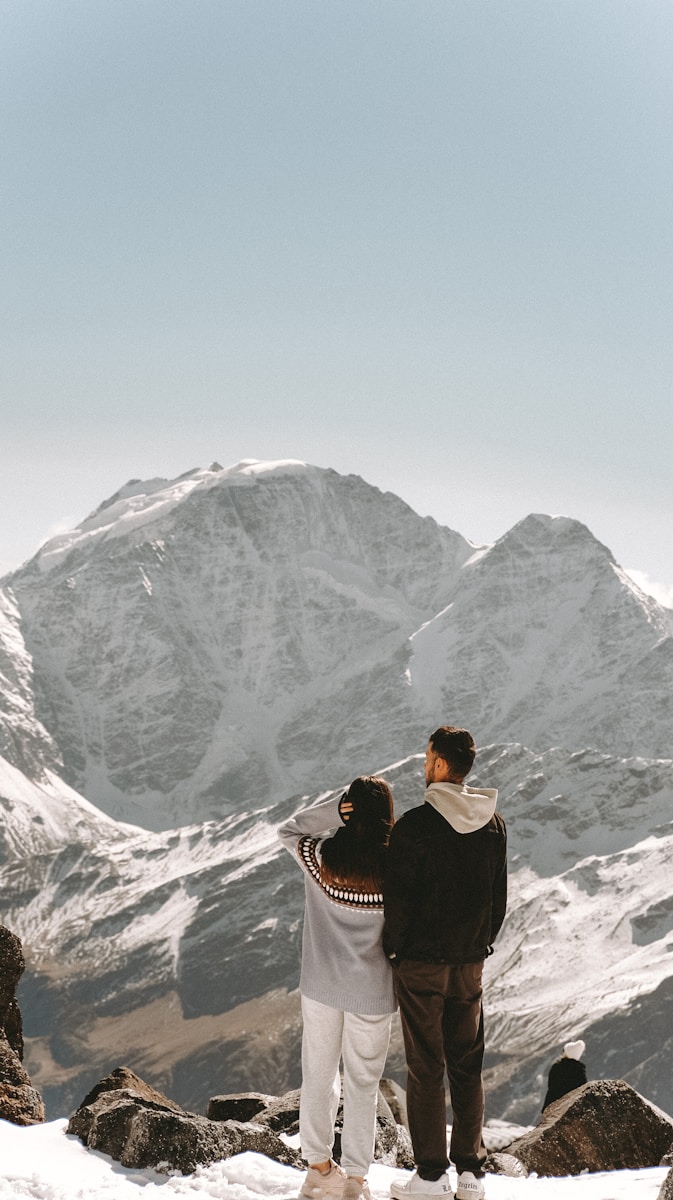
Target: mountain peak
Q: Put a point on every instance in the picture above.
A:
(141, 501)
(552, 534)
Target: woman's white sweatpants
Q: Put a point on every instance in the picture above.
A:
(330, 1034)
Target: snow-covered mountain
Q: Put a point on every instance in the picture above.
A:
(200, 654)
(228, 637)
(23, 739)
(238, 635)
(178, 952)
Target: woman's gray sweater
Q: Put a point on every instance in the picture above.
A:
(342, 960)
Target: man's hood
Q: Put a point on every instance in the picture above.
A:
(465, 808)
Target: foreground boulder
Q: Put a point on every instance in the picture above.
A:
(139, 1127)
(123, 1079)
(239, 1106)
(666, 1190)
(602, 1126)
(392, 1144)
(20, 1102)
(501, 1163)
(12, 966)
(280, 1113)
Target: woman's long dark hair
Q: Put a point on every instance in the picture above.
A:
(353, 857)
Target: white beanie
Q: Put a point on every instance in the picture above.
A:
(574, 1049)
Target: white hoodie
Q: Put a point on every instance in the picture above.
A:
(465, 808)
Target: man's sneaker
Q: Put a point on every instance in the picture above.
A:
(416, 1188)
(470, 1187)
(354, 1190)
(319, 1187)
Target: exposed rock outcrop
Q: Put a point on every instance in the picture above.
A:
(20, 1102)
(134, 1123)
(392, 1144)
(280, 1113)
(666, 1190)
(603, 1126)
(126, 1118)
(502, 1163)
(239, 1106)
(12, 966)
(123, 1079)
(397, 1099)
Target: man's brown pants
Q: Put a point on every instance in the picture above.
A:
(443, 1027)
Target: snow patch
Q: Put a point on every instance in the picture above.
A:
(42, 1162)
(257, 466)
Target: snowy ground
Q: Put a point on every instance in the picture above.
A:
(43, 1163)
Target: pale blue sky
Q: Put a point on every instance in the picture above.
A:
(429, 243)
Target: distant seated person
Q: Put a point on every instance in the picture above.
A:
(566, 1073)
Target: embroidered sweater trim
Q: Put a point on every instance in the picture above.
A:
(348, 897)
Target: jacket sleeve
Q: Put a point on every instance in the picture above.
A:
(399, 889)
(318, 820)
(499, 901)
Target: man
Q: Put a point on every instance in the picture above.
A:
(445, 893)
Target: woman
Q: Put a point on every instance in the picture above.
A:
(346, 986)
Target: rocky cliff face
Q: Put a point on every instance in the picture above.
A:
(235, 636)
(23, 739)
(20, 1103)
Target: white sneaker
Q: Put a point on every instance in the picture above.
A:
(320, 1187)
(416, 1188)
(354, 1190)
(470, 1187)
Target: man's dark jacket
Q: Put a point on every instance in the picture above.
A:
(445, 892)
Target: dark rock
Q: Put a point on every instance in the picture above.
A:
(13, 1028)
(12, 965)
(280, 1114)
(124, 1079)
(20, 1102)
(397, 1100)
(239, 1106)
(392, 1144)
(502, 1163)
(666, 1189)
(139, 1127)
(404, 1157)
(603, 1126)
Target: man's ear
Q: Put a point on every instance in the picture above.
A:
(443, 770)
